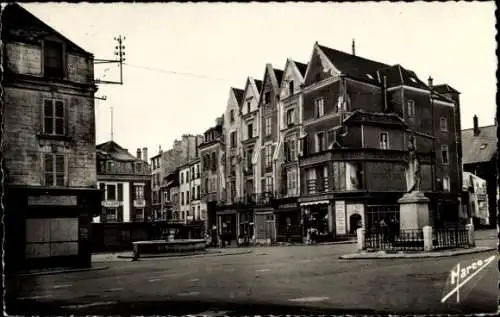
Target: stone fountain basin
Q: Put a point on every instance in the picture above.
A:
(164, 246)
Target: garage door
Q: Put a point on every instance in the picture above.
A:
(49, 237)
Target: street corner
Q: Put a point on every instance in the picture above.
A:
(407, 255)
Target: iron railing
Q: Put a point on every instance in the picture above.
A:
(450, 238)
(394, 240)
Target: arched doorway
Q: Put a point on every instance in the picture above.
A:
(354, 223)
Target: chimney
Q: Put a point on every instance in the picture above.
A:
(476, 126)
(145, 154)
(354, 47)
(138, 154)
(196, 147)
(430, 82)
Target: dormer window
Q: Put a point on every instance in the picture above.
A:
(290, 87)
(319, 107)
(53, 59)
(231, 115)
(248, 107)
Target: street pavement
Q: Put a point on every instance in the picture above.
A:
(298, 276)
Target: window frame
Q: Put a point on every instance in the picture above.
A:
(387, 146)
(63, 70)
(317, 103)
(268, 161)
(54, 117)
(443, 128)
(54, 172)
(410, 108)
(446, 180)
(319, 146)
(445, 148)
(268, 131)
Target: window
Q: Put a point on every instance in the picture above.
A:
(331, 136)
(250, 130)
(166, 197)
(319, 107)
(384, 140)
(446, 183)
(182, 198)
(267, 98)
(187, 176)
(110, 192)
(248, 107)
(269, 185)
(54, 169)
(233, 139)
(198, 191)
(182, 178)
(290, 87)
(198, 216)
(290, 150)
(111, 214)
(187, 197)
(231, 115)
(269, 155)
(267, 125)
(198, 171)
(139, 192)
(291, 181)
(213, 162)
(53, 59)
(193, 193)
(290, 117)
(53, 117)
(249, 153)
(320, 141)
(444, 154)
(411, 108)
(443, 124)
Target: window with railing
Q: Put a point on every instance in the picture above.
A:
(291, 182)
(267, 126)
(268, 155)
(290, 117)
(139, 192)
(111, 214)
(317, 180)
(384, 140)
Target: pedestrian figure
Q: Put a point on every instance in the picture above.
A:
(383, 229)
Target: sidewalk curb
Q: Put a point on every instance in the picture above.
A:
(185, 255)
(98, 268)
(370, 256)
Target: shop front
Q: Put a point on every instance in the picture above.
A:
(289, 223)
(227, 222)
(246, 226)
(318, 220)
(265, 226)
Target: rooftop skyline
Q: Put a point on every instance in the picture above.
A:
(182, 59)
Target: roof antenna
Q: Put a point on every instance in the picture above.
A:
(111, 123)
(354, 47)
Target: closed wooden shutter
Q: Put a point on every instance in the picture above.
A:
(120, 214)
(120, 192)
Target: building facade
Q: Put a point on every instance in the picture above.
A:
(360, 117)
(479, 158)
(166, 162)
(125, 182)
(213, 180)
(288, 212)
(191, 206)
(49, 144)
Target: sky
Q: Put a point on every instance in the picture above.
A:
(182, 59)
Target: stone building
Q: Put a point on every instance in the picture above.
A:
(166, 162)
(213, 180)
(479, 158)
(358, 117)
(49, 154)
(125, 182)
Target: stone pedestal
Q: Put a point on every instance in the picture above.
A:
(414, 211)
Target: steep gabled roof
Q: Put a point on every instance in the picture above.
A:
(279, 74)
(238, 94)
(301, 67)
(479, 148)
(19, 23)
(115, 151)
(258, 83)
(352, 65)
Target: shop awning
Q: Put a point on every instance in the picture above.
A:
(312, 203)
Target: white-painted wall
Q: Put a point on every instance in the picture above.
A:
(126, 202)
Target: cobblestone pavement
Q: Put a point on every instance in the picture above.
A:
(311, 276)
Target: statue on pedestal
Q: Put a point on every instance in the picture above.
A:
(413, 177)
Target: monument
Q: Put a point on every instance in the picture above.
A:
(414, 206)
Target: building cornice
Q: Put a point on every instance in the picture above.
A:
(321, 84)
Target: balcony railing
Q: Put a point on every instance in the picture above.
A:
(320, 185)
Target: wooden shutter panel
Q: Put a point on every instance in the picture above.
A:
(120, 192)
(120, 214)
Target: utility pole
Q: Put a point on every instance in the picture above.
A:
(119, 53)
